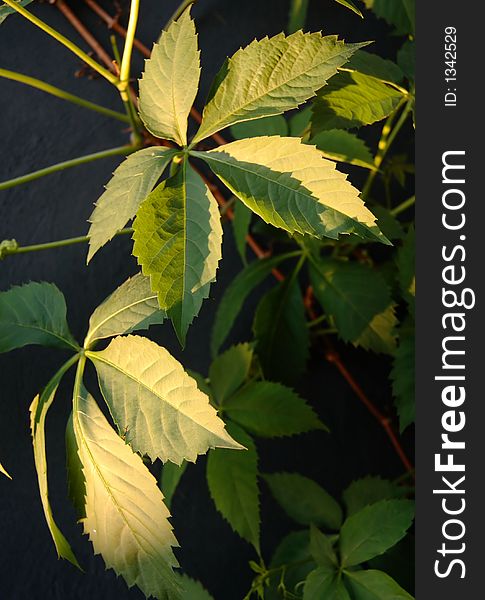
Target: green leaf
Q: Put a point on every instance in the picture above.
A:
(275, 125)
(155, 404)
(235, 295)
(322, 549)
(76, 485)
(399, 13)
(170, 81)
(403, 379)
(34, 313)
(240, 228)
(126, 519)
(131, 307)
(229, 371)
(290, 185)
(406, 59)
(37, 427)
(376, 66)
(282, 340)
(131, 183)
(380, 335)
(374, 529)
(4, 471)
(350, 292)
(177, 241)
(193, 590)
(170, 478)
(6, 10)
(351, 6)
(352, 99)
(366, 491)
(298, 15)
(293, 552)
(322, 583)
(300, 121)
(271, 410)
(388, 223)
(233, 485)
(375, 585)
(304, 500)
(342, 146)
(271, 76)
(406, 266)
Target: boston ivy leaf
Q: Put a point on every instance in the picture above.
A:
(6, 10)
(374, 529)
(271, 76)
(403, 378)
(380, 334)
(375, 585)
(322, 549)
(233, 484)
(240, 228)
(126, 519)
(352, 99)
(155, 404)
(399, 13)
(178, 237)
(366, 491)
(275, 125)
(290, 185)
(76, 485)
(34, 313)
(282, 340)
(293, 552)
(193, 590)
(323, 583)
(304, 500)
(344, 146)
(235, 295)
(4, 471)
(350, 5)
(170, 478)
(376, 66)
(350, 292)
(405, 263)
(170, 81)
(131, 307)
(229, 371)
(271, 410)
(131, 183)
(37, 426)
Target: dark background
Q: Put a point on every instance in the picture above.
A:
(38, 130)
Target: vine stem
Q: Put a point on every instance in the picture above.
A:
(64, 41)
(124, 150)
(63, 95)
(128, 49)
(12, 248)
(403, 206)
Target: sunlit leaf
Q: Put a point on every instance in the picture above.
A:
(380, 334)
(34, 313)
(4, 471)
(170, 81)
(157, 407)
(351, 6)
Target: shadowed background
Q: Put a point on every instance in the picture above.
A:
(38, 130)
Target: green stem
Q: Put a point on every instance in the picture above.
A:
(64, 41)
(403, 206)
(389, 133)
(123, 150)
(183, 5)
(76, 392)
(58, 93)
(15, 249)
(128, 49)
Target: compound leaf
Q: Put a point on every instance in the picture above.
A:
(290, 185)
(271, 76)
(343, 146)
(322, 549)
(131, 307)
(323, 583)
(170, 81)
(375, 585)
(271, 410)
(304, 500)
(131, 183)
(374, 529)
(157, 407)
(352, 99)
(376, 66)
(380, 334)
(34, 313)
(233, 484)
(177, 241)
(126, 519)
(366, 491)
